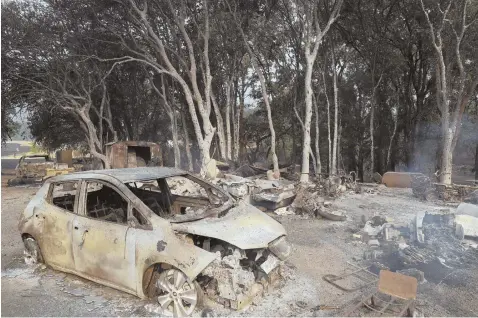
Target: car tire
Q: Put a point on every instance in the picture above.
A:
(178, 296)
(32, 253)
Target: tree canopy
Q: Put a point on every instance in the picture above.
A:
(347, 85)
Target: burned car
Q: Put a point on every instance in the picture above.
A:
(154, 232)
(37, 168)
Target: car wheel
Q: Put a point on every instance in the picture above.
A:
(32, 252)
(178, 296)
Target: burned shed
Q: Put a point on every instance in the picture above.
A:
(131, 154)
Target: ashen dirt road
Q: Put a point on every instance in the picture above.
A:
(320, 247)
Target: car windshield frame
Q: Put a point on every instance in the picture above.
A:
(211, 211)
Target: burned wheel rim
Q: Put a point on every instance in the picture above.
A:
(31, 253)
(178, 295)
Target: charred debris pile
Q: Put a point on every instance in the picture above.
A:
(434, 245)
(437, 246)
(285, 196)
(424, 189)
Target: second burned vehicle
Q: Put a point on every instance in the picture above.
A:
(37, 168)
(156, 233)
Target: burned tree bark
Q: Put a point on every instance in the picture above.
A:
(339, 149)
(317, 137)
(69, 90)
(375, 86)
(446, 97)
(228, 121)
(162, 64)
(336, 113)
(394, 112)
(93, 141)
(265, 96)
(187, 145)
(310, 149)
(237, 118)
(329, 135)
(313, 38)
(172, 119)
(220, 128)
(104, 114)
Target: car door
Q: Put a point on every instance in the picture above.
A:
(54, 219)
(101, 244)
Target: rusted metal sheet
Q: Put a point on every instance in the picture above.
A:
(399, 179)
(395, 296)
(131, 154)
(65, 156)
(117, 153)
(397, 285)
(131, 159)
(120, 153)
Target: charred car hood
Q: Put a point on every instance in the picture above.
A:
(243, 226)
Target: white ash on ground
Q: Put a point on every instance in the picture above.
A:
(320, 247)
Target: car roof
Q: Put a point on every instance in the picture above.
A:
(124, 175)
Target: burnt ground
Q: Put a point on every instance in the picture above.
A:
(320, 247)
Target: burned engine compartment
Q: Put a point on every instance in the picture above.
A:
(236, 276)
